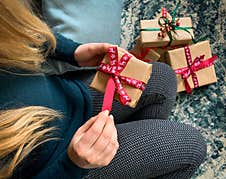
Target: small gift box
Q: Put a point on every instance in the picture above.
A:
(144, 54)
(193, 65)
(162, 51)
(152, 54)
(128, 74)
(166, 30)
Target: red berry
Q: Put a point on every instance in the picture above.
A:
(168, 29)
(159, 34)
(178, 22)
(164, 12)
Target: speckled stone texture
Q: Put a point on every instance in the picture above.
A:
(205, 109)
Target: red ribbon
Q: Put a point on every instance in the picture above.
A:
(198, 64)
(142, 55)
(145, 51)
(114, 83)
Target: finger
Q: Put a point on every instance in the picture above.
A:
(79, 133)
(89, 63)
(114, 133)
(123, 50)
(93, 133)
(104, 139)
(102, 48)
(108, 154)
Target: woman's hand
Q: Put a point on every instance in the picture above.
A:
(95, 143)
(91, 54)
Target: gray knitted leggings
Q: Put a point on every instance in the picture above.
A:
(151, 147)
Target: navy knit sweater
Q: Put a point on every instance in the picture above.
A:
(68, 96)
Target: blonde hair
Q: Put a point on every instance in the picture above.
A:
(22, 39)
(21, 130)
(22, 36)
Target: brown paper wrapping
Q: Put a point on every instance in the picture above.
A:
(151, 39)
(135, 68)
(177, 59)
(156, 53)
(152, 55)
(162, 51)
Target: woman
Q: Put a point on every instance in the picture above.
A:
(46, 128)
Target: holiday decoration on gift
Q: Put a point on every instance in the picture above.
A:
(167, 25)
(193, 66)
(166, 30)
(121, 76)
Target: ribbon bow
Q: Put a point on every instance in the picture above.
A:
(198, 64)
(114, 83)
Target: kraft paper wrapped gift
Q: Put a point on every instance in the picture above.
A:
(162, 51)
(135, 69)
(150, 38)
(177, 59)
(144, 53)
(154, 53)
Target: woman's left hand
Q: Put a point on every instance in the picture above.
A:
(91, 54)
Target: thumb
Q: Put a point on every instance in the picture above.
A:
(102, 48)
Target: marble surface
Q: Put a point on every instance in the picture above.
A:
(205, 109)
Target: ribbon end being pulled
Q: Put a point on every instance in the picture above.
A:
(109, 95)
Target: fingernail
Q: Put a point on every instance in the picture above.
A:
(112, 117)
(106, 112)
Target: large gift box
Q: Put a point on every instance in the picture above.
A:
(132, 74)
(193, 65)
(166, 30)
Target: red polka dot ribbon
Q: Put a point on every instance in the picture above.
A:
(198, 64)
(114, 83)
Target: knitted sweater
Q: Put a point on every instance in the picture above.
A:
(68, 96)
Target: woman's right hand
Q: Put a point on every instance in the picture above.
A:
(95, 143)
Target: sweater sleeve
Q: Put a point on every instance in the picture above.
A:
(62, 167)
(65, 49)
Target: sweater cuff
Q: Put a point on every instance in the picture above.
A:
(71, 166)
(65, 48)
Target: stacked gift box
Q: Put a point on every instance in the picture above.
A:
(123, 76)
(170, 39)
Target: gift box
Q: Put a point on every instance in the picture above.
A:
(162, 51)
(193, 65)
(144, 54)
(131, 70)
(150, 29)
(151, 53)
(166, 30)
